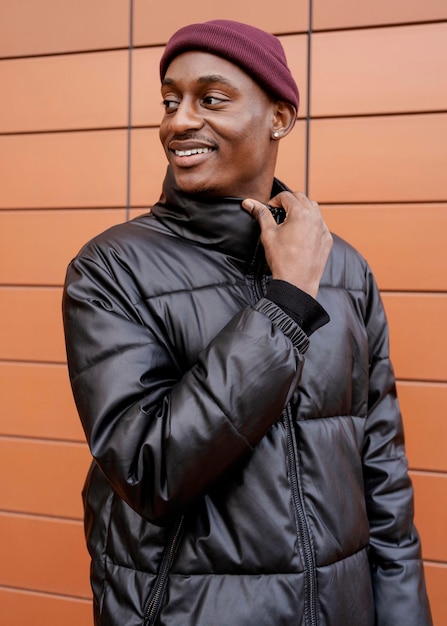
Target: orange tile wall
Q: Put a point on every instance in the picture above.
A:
(79, 151)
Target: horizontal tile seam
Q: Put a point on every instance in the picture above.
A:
(414, 292)
(347, 116)
(434, 384)
(312, 118)
(385, 203)
(63, 131)
(442, 564)
(48, 517)
(138, 207)
(428, 473)
(108, 207)
(47, 594)
(147, 207)
(16, 438)
(362, 27)
(414, 470)
(160, 44)
(10, 361)
(60, 364)
(62, 53)
(439, 293)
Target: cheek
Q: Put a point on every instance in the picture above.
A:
(162, 131)
(162, 134)
(165, 123)
(255, 142)
(257, 129)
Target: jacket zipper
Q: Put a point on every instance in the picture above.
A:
(162, 577)
(310, 602)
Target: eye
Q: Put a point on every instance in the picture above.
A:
(212, 101)
(170, 105)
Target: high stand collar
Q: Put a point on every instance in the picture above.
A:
(220, 223)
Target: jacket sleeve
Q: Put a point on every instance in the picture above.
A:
(162, 436)
(395, 554)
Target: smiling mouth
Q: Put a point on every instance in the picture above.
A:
(183, 153)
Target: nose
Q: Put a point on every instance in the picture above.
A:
(186, 117)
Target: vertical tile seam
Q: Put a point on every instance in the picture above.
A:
(308, 103)
(129, 112)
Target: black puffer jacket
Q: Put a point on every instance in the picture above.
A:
(209, 503)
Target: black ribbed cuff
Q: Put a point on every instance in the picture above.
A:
(299, 305)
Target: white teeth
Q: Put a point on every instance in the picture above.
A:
(193, 151)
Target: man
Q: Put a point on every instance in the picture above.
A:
(234, 481)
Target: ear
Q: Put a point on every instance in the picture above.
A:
(284, 119)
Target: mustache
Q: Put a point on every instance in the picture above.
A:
(194, 137)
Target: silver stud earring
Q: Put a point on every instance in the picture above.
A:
(275, 134)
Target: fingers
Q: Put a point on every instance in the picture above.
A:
(294, 205)
(288, 199)
(297, 249)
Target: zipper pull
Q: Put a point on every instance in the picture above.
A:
(278, 213)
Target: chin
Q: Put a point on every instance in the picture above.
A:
(187, 184)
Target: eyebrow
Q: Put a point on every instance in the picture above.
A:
(216, 78)
(205, 80)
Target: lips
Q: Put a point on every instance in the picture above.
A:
(191, 151)
(189, 146)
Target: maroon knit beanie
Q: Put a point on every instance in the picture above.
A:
(257, 52)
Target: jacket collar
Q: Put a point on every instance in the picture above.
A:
(219, 223)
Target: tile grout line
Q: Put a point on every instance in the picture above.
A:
(129, 111)
(308, 103)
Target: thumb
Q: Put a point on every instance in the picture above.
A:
(259, 211)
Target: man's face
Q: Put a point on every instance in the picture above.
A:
(216, 130)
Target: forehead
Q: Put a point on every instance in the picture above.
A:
(201, 66)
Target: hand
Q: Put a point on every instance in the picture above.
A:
(296, 250)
